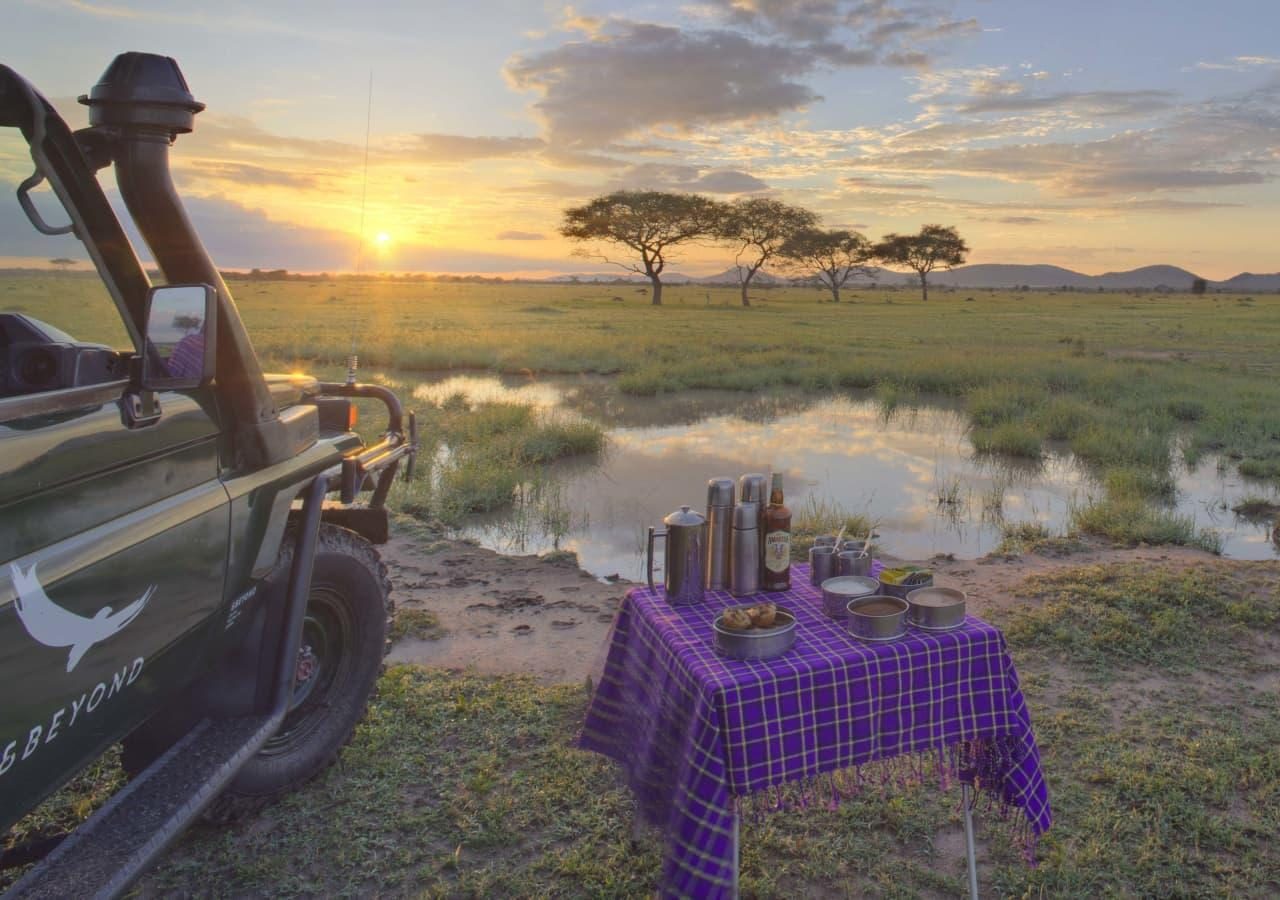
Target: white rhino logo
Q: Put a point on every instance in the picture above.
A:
(53, 626)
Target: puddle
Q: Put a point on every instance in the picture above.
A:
(839, 449)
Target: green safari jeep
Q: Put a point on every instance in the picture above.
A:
(175, 575)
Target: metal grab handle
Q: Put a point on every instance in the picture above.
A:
(653, 533)
(33, 214)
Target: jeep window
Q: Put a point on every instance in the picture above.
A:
(59, 327)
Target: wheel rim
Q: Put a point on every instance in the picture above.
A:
(321, 669)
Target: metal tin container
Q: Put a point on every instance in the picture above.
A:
(902, 580)
(936, 608)
(839, 591)
(822, 564)
(825, 540)
(685, 556)
(855, 546)
(720, 493)
(744, 551)
(853, 562)
(877, 618)
(758, 643)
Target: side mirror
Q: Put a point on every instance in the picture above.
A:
(180, 342)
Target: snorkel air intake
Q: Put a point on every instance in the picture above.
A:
(136, 111)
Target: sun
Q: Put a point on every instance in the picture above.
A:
(382, 239)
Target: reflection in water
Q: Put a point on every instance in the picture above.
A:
(915, 472)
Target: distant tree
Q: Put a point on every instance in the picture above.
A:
(649, 223)
(935, 247)
(760, 227)
(830, 257)
(62, 263)
(1199, 286)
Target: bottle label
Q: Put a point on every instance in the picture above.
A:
(777, 551)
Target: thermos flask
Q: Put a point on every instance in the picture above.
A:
(719, 531)
(685, 556)
(744, 551)
(754, 488)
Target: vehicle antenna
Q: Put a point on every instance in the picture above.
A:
(364, 185)
(353, 360)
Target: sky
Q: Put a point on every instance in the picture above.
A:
(1099, 136)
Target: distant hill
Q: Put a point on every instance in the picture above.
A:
(1247, 281)
(1146, 277)
(730, 276)
(1009, 276)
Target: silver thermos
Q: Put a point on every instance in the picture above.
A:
(685, 556)
(754, 488)
(719, 532)
(744, 550)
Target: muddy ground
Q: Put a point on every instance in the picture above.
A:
(522, 614)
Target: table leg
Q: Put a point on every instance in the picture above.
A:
(970, 852)
(736, 856)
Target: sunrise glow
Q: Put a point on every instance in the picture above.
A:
(1096, 140)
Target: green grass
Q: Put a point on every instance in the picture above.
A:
(1121, 382)
(488, 457)
(1132, 509)
(420, 624)
(1156, 726)
(1258, 509)
(815, 516)
(1015, 439)
(1139, 613)
(1114, 377)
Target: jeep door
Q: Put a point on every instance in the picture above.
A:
(113, 532)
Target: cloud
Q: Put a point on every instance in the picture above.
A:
(729, 181)
(520, 236)
(684, 177)
(1021, 220)
(634, 76)
(227, 20)
(248, 174)
(1227, 141)
(1241, 63)
(1103, 104)
(624, 77)
(850, 32)
(551, 188)
(233, 137)
(858, 181)
(455, 148)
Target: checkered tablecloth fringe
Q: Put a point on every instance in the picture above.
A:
(979, 763)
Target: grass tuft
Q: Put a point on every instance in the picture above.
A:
(419, 624)
(1139, 614)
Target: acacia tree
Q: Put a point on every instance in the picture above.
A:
(760, 227)
(62, 263)
(830, 257)
(649, 223)
(935, 247)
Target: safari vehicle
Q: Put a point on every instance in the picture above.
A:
(172, 576)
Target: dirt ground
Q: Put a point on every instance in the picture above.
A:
(521, 614)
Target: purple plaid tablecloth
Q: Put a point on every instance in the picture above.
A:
(696, 732)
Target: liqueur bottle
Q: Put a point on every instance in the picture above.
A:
(776, 570)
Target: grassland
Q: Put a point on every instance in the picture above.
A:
(1126, 382)
(1152, 690)
(1155, 712)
